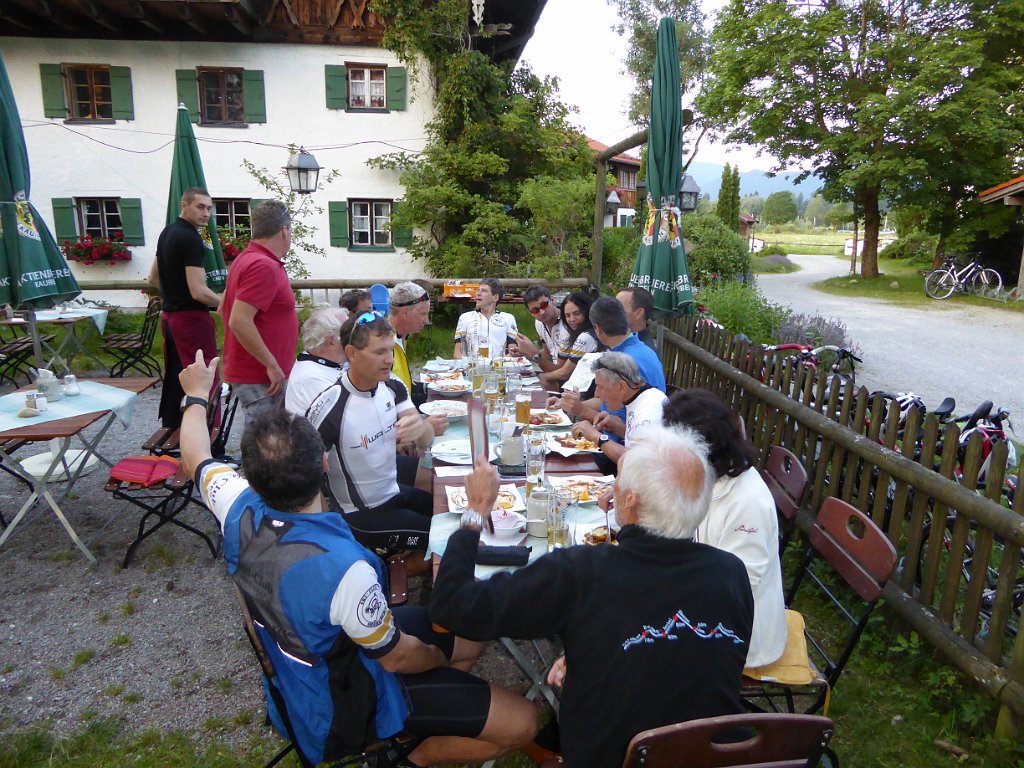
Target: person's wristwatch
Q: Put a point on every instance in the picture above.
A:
(471, 519)
(536, 358)
(602, 441)
(188, 400)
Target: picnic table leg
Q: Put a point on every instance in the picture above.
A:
(538, 683)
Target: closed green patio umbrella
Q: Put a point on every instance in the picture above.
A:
(661, 260)
(187, 171)
(33, 271)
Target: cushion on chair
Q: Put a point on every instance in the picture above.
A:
(794, 667)
(145, 470)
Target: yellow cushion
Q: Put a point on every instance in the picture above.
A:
(793, 667)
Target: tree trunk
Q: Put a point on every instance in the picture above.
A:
(856, 232)
(945, 230)
(872, 223)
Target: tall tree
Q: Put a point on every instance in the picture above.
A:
(816, 210)
(843, 88)
(779, 208)
(638, 23)
(723, 208)
(734, 201)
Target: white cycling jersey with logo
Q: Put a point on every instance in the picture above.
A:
(358, 430)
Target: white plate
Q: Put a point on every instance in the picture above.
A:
(452, 387)
(507, 494)
(558, 448)
(436, 367)
(597, 485)
(453, 409)
(453, 452)
(563, 418)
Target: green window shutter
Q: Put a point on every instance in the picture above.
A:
(121, 93)
(395, 88)
(63, 219)
(255, 97)
(53, 90)
(188, 91)
(401, 237)
(336, 77)
(131, 220)
(337, 216)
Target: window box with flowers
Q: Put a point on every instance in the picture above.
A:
(232, 245)
(88, 249)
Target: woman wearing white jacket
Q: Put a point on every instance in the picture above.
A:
(742, 518)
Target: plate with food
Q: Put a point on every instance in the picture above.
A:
(508, 500)
(540, 417)
(587, 487)
(452, 409)
(453, 452)
(567, 445)
(451, 387)
(429, 376)
(599, 534)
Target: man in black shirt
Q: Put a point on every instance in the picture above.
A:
(179, 272)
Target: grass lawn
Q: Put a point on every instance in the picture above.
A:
(902, 283)
(816, 243)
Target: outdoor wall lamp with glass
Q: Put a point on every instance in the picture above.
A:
(303, 172)
(611, 205)
(689, 193)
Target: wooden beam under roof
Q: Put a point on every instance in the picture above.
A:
(190, 18)
(90, 10)
(45, 8)
(237, 21)
(139, 14)
(12, 20)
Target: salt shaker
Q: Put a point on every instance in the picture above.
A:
(71, 387)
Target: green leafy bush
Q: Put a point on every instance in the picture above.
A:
(718, 252)
(775, 249)
(741, 308)
(913, 246)
(772, 265)
(618, 256)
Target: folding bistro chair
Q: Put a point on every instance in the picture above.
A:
(786, 478)
(381, 754)
(134, 350)
(161, 494)
(861, 559)
(771, 740)
(16, 353)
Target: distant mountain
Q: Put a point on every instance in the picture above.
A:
(709, 177)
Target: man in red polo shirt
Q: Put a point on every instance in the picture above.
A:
(262, 328)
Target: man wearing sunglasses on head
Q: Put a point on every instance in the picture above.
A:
(362, 420)
(551, 330)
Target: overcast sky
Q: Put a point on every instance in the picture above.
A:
(574, 42)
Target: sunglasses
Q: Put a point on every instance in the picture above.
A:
(541, 306)
(423, 297)
(364, 319)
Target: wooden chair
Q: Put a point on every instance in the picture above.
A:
(387, 752)
(134, 350)
(16, 353)
(786, 478)
(860, 558)
(770, 740)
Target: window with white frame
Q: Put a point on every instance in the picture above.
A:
(367, 87)
(99, 216)
(627, 180)
(371, 222)
(232, 216)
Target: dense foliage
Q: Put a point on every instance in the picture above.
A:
(779, 208)
(499, 188)
(728, 206)
(741, 308)
(919, 100)
(718, 252)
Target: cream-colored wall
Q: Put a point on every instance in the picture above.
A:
(133, 158)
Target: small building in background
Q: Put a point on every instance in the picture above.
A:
(625, 168)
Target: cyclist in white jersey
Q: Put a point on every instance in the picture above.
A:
(361, 420)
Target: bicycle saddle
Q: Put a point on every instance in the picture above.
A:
(945, 409)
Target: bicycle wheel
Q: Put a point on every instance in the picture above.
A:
(940, 284)
(987, 282)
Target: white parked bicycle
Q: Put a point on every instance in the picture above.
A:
(972, 278)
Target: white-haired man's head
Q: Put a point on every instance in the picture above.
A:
(320, 332)
(665, 482)
(410, 308)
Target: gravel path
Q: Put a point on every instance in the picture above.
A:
(158, 645)
(936, 350)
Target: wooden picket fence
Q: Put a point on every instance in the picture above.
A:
(960, 581)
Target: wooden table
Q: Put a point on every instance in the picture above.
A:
(62, 430)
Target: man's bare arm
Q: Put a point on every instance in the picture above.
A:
(242, 324)
(196, 380)
(154, 275)
(199, 290)
(412, 655)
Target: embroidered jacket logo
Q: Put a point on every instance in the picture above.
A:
(678, 621)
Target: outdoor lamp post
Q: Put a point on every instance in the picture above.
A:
(689, 193)
(611, 205)
(303, 172)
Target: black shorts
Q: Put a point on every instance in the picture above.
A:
(407, 467)
(442, 701)
(402, 522)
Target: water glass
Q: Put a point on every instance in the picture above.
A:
(534, 468)
(513, 382)
(558, 524)
(495, 417)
